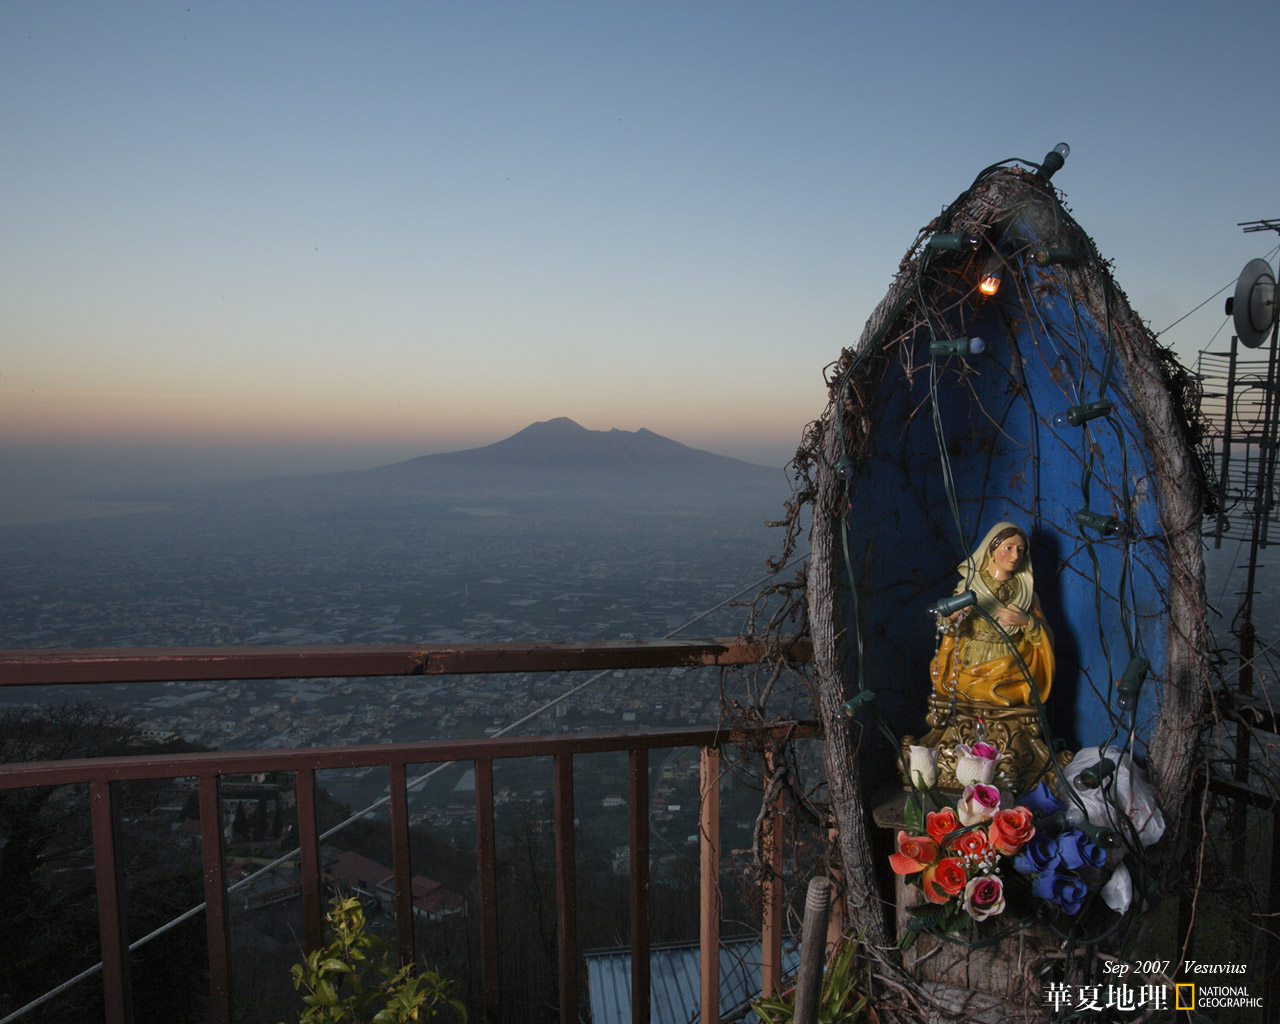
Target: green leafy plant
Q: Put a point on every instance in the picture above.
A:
(841, 1000)
(352, 980)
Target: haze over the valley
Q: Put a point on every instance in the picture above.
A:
(245, 240)
(53, 482)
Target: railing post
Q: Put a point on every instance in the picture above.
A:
(1272, 961)
(709, 929)
(309, 859)
(639, 812)
(566, 890)
(117, 992)
(400, 864)
(1227, 421)
(487, 888)
(1240, 809)
(215, 900)
(209, 767)
(771, 916)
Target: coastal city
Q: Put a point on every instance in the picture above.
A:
(267, 567)
(316, 563)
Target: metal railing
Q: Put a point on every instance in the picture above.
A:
(53, 667)
(1250, 714)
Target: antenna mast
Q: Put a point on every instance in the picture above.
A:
(1250, 416)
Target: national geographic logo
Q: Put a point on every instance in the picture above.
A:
(1149, 998)
(1184, 995)
(1188, 996)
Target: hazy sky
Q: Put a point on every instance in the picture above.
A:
(274, 237)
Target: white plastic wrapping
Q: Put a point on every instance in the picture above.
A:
(1118, 892)
(1123, 794)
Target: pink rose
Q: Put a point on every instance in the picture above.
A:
(976, 764)
(977, 804)
(984, 897)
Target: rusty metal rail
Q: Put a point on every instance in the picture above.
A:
(192, 664)
(1250, 714)
(208, 768)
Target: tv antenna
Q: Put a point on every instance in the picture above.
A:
(1247, 421)
(1246, 425)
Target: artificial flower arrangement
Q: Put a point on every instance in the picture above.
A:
(1054, 852)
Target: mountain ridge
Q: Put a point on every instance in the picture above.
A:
(564, 442)
(549, 462)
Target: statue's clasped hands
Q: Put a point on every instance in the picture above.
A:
(1014, 617)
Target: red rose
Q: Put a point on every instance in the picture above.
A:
(943, 880)
(973, 843)
(914, 853)
(940, 824)
(1010, 829)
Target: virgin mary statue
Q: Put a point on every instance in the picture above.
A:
(993, 667)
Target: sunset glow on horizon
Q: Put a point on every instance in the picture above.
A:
(392, 230)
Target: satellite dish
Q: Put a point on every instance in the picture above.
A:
(1254, 305)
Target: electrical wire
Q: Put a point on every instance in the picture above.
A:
(1126, 595)
(411, 785)
(1269, 256)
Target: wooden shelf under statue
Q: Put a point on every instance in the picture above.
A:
(993, 667)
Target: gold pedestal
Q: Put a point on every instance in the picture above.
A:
(1014, 731)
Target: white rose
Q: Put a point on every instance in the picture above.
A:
(922, 766)
(972, 770)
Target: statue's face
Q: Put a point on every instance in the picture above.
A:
(1008, 555)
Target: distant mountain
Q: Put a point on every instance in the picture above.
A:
(567, 445)
(551, 463)
(561, 458)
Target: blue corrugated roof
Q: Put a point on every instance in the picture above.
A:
(674, 980)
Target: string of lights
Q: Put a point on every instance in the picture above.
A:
(1091, 388)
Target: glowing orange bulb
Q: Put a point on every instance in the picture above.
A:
(992, 270)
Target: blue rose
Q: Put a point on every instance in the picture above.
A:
(1067, 891)
(1040, 854)
(1078, 850)
(1041, 801)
